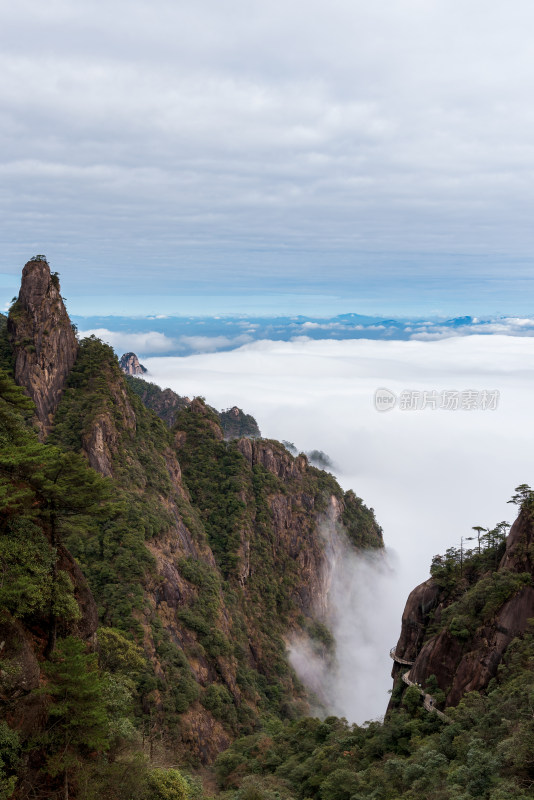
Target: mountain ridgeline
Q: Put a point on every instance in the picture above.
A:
(166, 404)
(153, 572)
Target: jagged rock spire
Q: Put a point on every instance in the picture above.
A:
(43, 339)
(129, 363)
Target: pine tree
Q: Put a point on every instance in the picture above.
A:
(78, 722)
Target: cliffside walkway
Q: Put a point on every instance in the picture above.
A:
(428, 701)
(398, 660)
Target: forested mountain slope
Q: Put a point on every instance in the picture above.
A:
(151, 574)
(155, 572)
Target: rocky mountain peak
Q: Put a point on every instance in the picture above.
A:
(130, 365)
(43, 340)
(236, 424)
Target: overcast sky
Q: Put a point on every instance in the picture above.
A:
(382, 151)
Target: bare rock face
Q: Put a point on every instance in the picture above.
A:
(129, 363)
(101, 441)
(273, 457)
(414, 619)
(43, 339)
(519, 555)
(462, 666)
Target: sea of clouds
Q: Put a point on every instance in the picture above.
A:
(429, 474)
(182, 336)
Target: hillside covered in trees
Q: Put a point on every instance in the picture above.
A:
(152, 571)
(150, 574)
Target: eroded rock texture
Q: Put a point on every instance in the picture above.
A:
(463, 664)
(129, 363)
(43, 340)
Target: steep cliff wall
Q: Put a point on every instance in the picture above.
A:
(163, 402)
(42, 338)
(458, 624)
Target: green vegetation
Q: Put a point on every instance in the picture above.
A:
(472, 586)
(486, 753)
(45, 493)
(163, 402)
(235, 424)
(461, 567)
(479, 603)
(196, 588)
(6, 352)
(78, 720)
(215, 474)
(9, 760)
(360, 522)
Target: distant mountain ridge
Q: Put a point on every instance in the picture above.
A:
(183, 336)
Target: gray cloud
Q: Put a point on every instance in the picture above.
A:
(241, 136)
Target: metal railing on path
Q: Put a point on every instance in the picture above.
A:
(428, 701)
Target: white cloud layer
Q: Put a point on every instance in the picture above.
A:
(155, 342)
(430, 475)
(149, 342)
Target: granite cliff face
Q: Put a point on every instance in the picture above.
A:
(43, 340)
(273, 539)
(440, 641)
(129, 363)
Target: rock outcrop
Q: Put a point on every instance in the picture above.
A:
(129, 363)
(100, 442)
(273, 457)
(166, 404)
(235, 424)
(463, 662)
(43, 340)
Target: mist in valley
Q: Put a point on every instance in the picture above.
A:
(429, 474)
